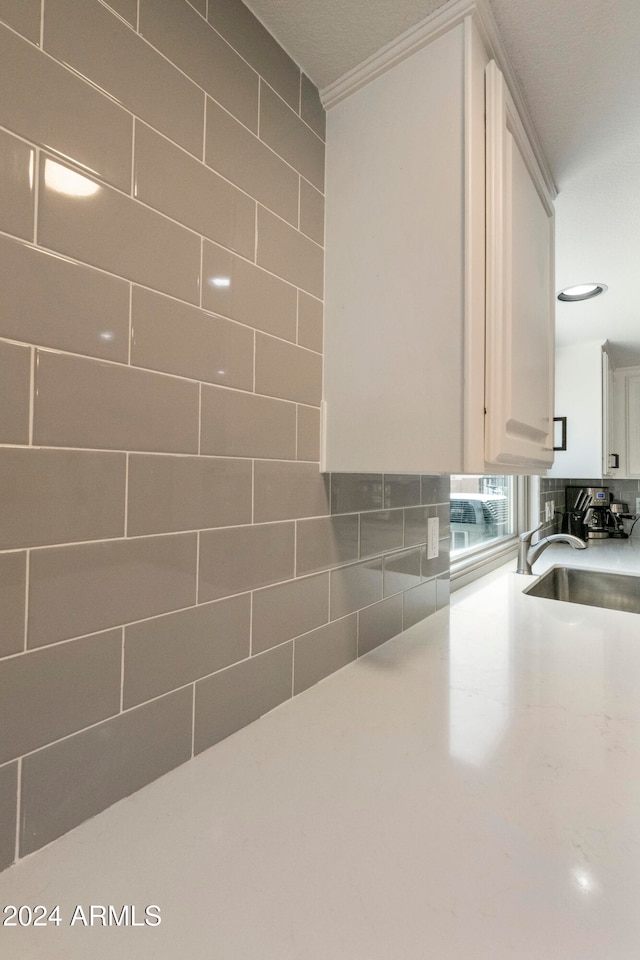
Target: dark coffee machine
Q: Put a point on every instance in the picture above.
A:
(587, 513)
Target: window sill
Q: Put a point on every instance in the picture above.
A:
(482, 560)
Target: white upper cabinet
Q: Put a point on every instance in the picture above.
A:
(439, 240)
(520, 296)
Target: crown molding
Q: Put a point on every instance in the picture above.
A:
(415, 38)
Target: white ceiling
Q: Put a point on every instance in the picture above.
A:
(578, 62)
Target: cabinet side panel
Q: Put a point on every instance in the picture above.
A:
(393, 371)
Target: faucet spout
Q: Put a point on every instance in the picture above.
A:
(528, 554)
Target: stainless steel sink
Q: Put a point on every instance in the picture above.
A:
(616, 591)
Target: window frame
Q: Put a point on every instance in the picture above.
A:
(480, 560)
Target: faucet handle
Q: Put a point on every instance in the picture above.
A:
(526, 537)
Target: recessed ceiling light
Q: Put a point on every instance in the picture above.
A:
(584, 291)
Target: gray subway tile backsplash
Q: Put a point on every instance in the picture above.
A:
(401, 491)
(74, 684)
(356, 492)
(173, 650)
(234, 288)
(84, 588)
(177, 338)
(355, 586)
(286, 252)
(323, 651)
(250, 38)
(15, 393)
(401, 571)
(89, 403)
(326, 542)
(236, 153)
(287, 610)
(186, 493)
(89, 313)
(169, 180)
(114, 232)
(309, 322)
(419, 602)
(63, 496)
(379, 623)
(172, 562)
(55, 108)
(289, 136)
(178, 32)
(287, 371)
(13, 574)
(17, 188)
(231, 699)
(72, 780)
(311, 109)
(236, 424)
(288, 491)
(236, 559)
(380, 532)
(24, 17)
(78, 32)
(308, 434)
(8, 813)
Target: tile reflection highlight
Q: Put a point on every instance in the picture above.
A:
(63, 180)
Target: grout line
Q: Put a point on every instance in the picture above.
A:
(256, 234)
(27, 571)
(32, 392)
(131, 330)
(251, 596)
(126, 496)
(201, 277)
(42, 24)
(259, 124)
(18, 809)
(293, 666)
(199, 418)
(197, 568)
(132, 182)
(253, 493)
(193, 719)
(297, 431)
(34, 174)
(255, 351)
(204, 133)
(122, 672)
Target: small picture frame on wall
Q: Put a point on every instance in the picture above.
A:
(559, 433)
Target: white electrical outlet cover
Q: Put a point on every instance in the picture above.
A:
(433, 534)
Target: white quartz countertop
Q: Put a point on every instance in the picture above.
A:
(471, 789)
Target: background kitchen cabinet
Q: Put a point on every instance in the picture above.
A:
(601, 402)
(584, 382)
(627, 420)
(406, 309)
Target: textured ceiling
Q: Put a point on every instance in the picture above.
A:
(578, 63)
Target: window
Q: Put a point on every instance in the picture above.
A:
(482, 512)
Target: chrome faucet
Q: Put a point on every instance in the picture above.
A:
(528, 554)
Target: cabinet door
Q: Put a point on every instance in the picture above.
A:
(611, 460)
(520, 295)
(632, 419)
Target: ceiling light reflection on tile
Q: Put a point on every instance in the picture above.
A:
(220, 281)
(63, 180)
